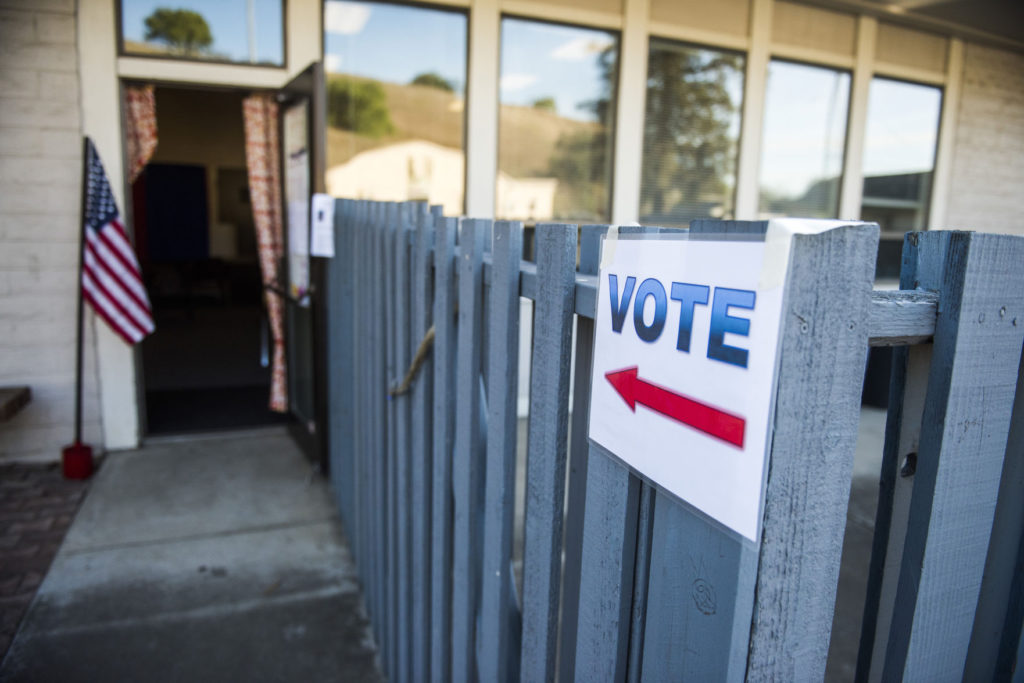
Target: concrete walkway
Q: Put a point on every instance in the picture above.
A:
(212, 559)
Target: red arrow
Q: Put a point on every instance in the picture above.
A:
(700, 416)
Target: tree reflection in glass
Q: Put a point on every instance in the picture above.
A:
(555, 121)
(691, 132)
(395, 102)
(250, 31)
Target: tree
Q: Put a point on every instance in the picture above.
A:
(182, 30)
(581, 160)
(359, 106)
(433, 79)
(545, 104)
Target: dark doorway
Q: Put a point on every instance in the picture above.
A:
(206, 367)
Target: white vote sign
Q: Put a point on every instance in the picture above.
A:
(685, 349)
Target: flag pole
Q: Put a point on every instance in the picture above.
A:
(76, 458)
(78, 288)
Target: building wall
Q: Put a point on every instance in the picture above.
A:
(40, 171)
(988, 159)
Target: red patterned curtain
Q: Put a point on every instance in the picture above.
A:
(140, 127)
(262, 159)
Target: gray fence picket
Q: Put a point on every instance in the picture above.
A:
(421, 395)
(467, 461)
(606, 570)
(546, 449)
(641, 582)
(377, 504)
(964, 432)
(499, 654)
(403, 411)
(340, 328)
(608, 557)
(590, 246)
(364, 408)
(997, 624)
(824, 344)
(391, 228)
(907, 387)
(445, 333)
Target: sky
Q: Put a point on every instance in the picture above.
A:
(228, 21)
(804, 126)
(541, 60)
(537, 59)
(393, 43)
(902, 127)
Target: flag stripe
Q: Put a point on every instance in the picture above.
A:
(112, 288)
(111, 278)
(106, 308)
(116, 285)
(113, 236)
(130, 281)
(114, 301)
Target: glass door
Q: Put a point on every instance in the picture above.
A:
(302, 141)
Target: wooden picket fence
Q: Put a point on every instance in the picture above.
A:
(622, 582)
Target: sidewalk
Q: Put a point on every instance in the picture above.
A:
(202, 560)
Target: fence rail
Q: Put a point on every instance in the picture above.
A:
(619, 581)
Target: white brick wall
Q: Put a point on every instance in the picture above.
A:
(40, 167)
(987, 182)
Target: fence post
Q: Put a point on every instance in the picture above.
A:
(978, 338)
(340, 332)
(590, 247)
(392, 218)
(378, 445)
(546, 453)
(908, 383)
(499, 652)
(443, 441)
(467, 461)
(700, 582)
(422, 390)
(608, 557)
(824, 347)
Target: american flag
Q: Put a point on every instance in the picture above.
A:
(111, 280)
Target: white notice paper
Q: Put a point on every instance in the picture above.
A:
(322, 226)
(685, 346)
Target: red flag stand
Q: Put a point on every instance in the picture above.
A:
(76, 459)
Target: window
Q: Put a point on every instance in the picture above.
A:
(691, 133)
(555, 121)
(395, 102)
(803, 142)
(899, 154)
(250, 31)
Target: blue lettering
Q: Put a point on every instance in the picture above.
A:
(650, 288)
(688, 296)
(722, 323)
(619, 309)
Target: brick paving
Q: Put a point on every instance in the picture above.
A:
(36, 508)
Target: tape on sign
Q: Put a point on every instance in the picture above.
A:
(777, 241)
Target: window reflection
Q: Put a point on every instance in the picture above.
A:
(395, 102)
(804, 137)
(555, 121)
(691, 133)
(226, 30)
(899, 154)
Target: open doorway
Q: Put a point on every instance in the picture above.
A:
(207, 366)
